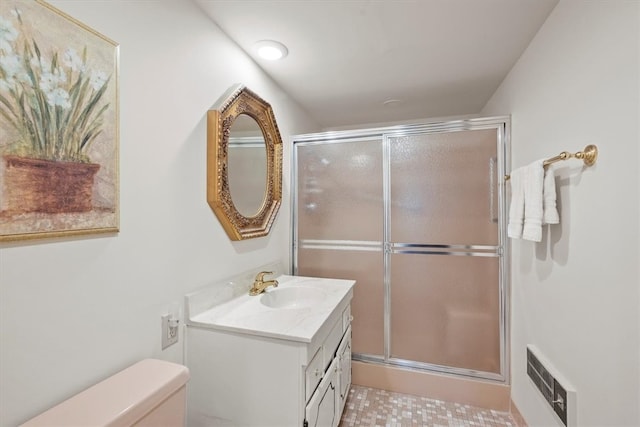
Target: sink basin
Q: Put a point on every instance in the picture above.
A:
(295, 297)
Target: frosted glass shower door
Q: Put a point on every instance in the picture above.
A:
(339, 212)
(443, 267)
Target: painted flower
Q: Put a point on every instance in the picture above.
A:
(11, 66)
(8, 35)
(72, 60)
(59, 97)
(50, 81)
(98, 79)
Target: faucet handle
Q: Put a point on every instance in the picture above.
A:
(260, 276)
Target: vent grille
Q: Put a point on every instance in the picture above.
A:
(552, 390)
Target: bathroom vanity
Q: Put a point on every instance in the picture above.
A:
(279, 358)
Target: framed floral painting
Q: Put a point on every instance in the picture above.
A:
(58, 125)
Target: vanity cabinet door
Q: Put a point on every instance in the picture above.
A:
(313, 375)
(322, 410)
(344, 368)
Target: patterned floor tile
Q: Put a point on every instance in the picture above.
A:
(380, 408)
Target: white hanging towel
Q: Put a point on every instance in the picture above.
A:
(526, 209)
(516, 209)
(533, 211)
(550, 211)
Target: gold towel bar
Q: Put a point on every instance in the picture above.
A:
(588, 156)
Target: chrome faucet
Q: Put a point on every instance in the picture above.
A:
(259, 285)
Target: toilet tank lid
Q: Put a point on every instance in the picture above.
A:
(119, 400)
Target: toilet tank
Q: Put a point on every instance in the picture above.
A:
(150, 393)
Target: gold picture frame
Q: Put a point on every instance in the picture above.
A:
(239, 100)
(59, 125)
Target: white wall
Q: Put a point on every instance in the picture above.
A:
(575, 295)
(76, 310)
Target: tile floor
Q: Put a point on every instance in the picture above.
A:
(371, 407)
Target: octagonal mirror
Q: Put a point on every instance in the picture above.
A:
(244, 164)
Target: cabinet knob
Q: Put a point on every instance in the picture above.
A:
(317, 372)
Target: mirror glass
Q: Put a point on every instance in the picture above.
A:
(244, 164)
(247, 165)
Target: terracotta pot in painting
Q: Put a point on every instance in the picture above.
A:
(37, 185)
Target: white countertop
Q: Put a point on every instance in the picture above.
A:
(248, 315)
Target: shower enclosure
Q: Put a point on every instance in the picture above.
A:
(416, 215)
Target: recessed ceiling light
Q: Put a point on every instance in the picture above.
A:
(271, 50)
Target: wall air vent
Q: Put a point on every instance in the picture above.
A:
(558, 393)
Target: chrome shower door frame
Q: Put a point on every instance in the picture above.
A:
(499, 167)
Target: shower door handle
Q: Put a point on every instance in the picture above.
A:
(492, 190)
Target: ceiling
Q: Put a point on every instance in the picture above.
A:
(429, 58)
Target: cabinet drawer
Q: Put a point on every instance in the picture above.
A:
(344, 368)
(313, 375)
(331, 343)
(346, 317)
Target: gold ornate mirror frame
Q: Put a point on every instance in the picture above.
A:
(240, 100)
